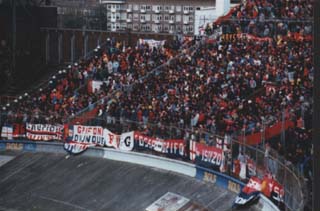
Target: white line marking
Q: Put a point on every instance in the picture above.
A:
(63, 202)
(222, 195)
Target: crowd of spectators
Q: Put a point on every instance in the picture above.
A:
(236, 86)
(66, 93)
(269, 18)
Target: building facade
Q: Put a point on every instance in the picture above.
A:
(151, 16)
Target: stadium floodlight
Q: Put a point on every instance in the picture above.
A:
(25, 94)
(76, 64)
(20, 97)
(54, 77)
(15, 101)
(40, 90)
(69, 66)
(60, 72)
(64, 71)
(50, 82)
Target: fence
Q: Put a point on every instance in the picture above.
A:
(259, 161)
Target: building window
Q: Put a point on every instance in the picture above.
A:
(190, 18)
(136, 27)
(178, 8)
(159, 8)
(148, 17)
(135, 16)
(166, 17)
(145, 27)
(143, 7)
(148, 8)
(166, 8)
(178, 18)
(135, 7)
(166, 28)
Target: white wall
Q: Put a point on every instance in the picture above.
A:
(210, 14)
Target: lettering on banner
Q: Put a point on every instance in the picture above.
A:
(211, 157)
(173, 147)
(234, 187)
(14, 146)
(209, 177)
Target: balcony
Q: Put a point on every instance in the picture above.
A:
(171, 21)
(113, 20)
(185, 12)
(142, 21)
(113, 10)
(157, 21)
(129, 10)
(142, 11)
(171, 31)
(171, 11)
(185, 22)
(157, 11)
(129, 20)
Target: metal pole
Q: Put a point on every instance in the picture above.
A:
(283, 129)
(316, 109)
(14, 37)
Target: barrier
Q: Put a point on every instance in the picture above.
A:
(181, 167)
(232, 184)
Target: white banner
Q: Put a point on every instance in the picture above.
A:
(127, 141)
(89, 135)
(75, 147)
(102, 137)
(6, 132)
(44, 132)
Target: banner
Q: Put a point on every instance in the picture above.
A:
(99, 136)
(174, 147)
(76, 147)
(44, 132)
(95, 135)
(152, 43)
(206, 156)
(19, 130)
(94, 85)
(7, 132)
(127, 141)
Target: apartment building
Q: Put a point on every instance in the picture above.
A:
(166, 16)
(146, 16)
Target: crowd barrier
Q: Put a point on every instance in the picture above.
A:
(192, 170)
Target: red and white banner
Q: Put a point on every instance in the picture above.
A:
(205, 155)
(95, 135)
(44, 132)
(100, 136)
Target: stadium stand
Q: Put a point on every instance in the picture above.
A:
(256, 77)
